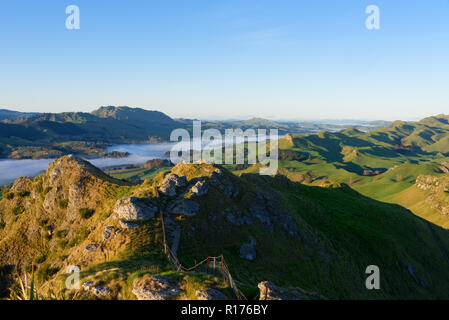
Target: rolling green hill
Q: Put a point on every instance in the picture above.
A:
(381, 163)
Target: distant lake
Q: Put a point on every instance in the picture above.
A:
(11, 169)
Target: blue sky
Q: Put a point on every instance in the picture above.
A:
(228, 59)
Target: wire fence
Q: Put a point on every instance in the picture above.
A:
(211, 265)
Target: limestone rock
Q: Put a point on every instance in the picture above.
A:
(155, 288)
(171, 183)
(101, 291)
(92, 247)
(107, 232)
(87, 285)
(134, 209)
(248, 250)
(210, 294)
(237, 218)
(184, 207)
(200, 189)
(269, 291)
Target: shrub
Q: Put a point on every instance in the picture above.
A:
(63, 243)
(41, 258)
(9, 195)
(63, 203)
(79, 237)
(2, 225)
(39, 187)
(23, 194)
(30, 269)
(86, 213)
(43, 222)
(16, 210)
(61, 234)
(45, 272)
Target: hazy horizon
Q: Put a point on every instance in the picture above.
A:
(224, 118)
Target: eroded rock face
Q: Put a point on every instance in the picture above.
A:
(427, 182)
(269, 212)
(269, 291)
(75, 180)
(184, 207)
(155, 288)
(224, 183)
(171, 183)
(100, 291)
(437, 189)
(248, 250)
(210, 294)
(134, 209)
(200, 189)
(107, 232)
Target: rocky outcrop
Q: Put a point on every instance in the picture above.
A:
(199, 189)
(237, 217)
(248, 250)
(155, 288)
(437, 189)
(210, 294)
(444, 167)
(427, 182)
(134, 209)
(269, 213)
(92, 247)
(171, 183)
(184, 207)
(76, 181)
(100, 291)
(269, 291)
(128, 225)
(107, 232)
(224, 183)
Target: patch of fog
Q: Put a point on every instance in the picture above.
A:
(11, 169)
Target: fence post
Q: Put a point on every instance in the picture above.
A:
(163, 232)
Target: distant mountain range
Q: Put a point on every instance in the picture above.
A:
(48, 135)
(55, 134)
(9, 114)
